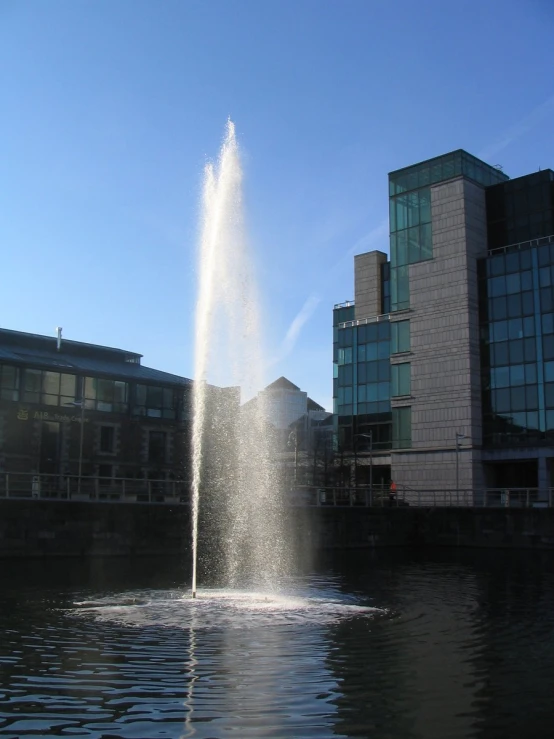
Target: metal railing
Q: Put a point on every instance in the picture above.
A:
(26, 485)
(97, 489)
(382, 497)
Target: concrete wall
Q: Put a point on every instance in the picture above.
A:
(444, 323)
(53, 529)
(34, 528)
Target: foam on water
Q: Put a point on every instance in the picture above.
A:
(213, 608)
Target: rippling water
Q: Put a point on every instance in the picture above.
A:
(383, 645)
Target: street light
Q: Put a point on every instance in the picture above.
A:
(80, 404)
(459, 437)
(370, 437)
(294, 435)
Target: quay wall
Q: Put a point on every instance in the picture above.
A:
(36, 528)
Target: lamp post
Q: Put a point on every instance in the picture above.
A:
(459, 437)
(294, 435)
(80, 404)
(370, 437)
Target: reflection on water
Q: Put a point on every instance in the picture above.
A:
(382, 644)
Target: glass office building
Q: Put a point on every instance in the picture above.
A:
(453, 336)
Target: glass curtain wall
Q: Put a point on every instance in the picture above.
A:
(361, 385)
(517, 346)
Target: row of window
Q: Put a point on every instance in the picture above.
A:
(521, 398)
(516, 261)
(516, 374)
(378, 371)
(516, 352)
(376, 340)
(519, 422)
(517, 328)
(443, 168)
(371, 392)
(62, 389)
(511, 306)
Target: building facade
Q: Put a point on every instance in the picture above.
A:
(66, 405)
(442, 361)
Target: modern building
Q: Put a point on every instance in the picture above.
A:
(283, 404)
(301, 428)
(444, 362)
(67, 406)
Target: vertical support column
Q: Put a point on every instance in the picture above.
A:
(543, 478)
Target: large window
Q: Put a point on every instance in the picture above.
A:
(110, 396)
(400, 337)
(402, 427)
(154, 401)
(400, 379)
(49, 388)
(9, 382)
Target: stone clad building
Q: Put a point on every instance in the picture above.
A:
(443, 361)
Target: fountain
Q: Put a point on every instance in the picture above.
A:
(234, 482)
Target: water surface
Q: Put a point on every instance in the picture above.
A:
(383, 644)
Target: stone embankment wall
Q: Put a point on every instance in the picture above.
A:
(57, 528)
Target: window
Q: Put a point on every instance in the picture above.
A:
(156, 447)
(107, 439)
(400, 336)
(9, 382)
(49, 388)
(400, 379)
(110, 396)
(157, 402)
(402, 427)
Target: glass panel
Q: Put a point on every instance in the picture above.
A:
(402, 427)
(383, 350)
(517, 375)
(530, 374)
(413, 209)
(51, 383)
(425, 206)
(527, 304)
(549, 371)
(67, 385)
(497, 286)
(401, 212)
(105, 390)
(500, 377)
(513, 283)
(33, 380)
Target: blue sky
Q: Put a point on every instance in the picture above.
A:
(110, 108)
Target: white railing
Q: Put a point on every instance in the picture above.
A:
(97, 489)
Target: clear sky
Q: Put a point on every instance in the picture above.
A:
(109, 110)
